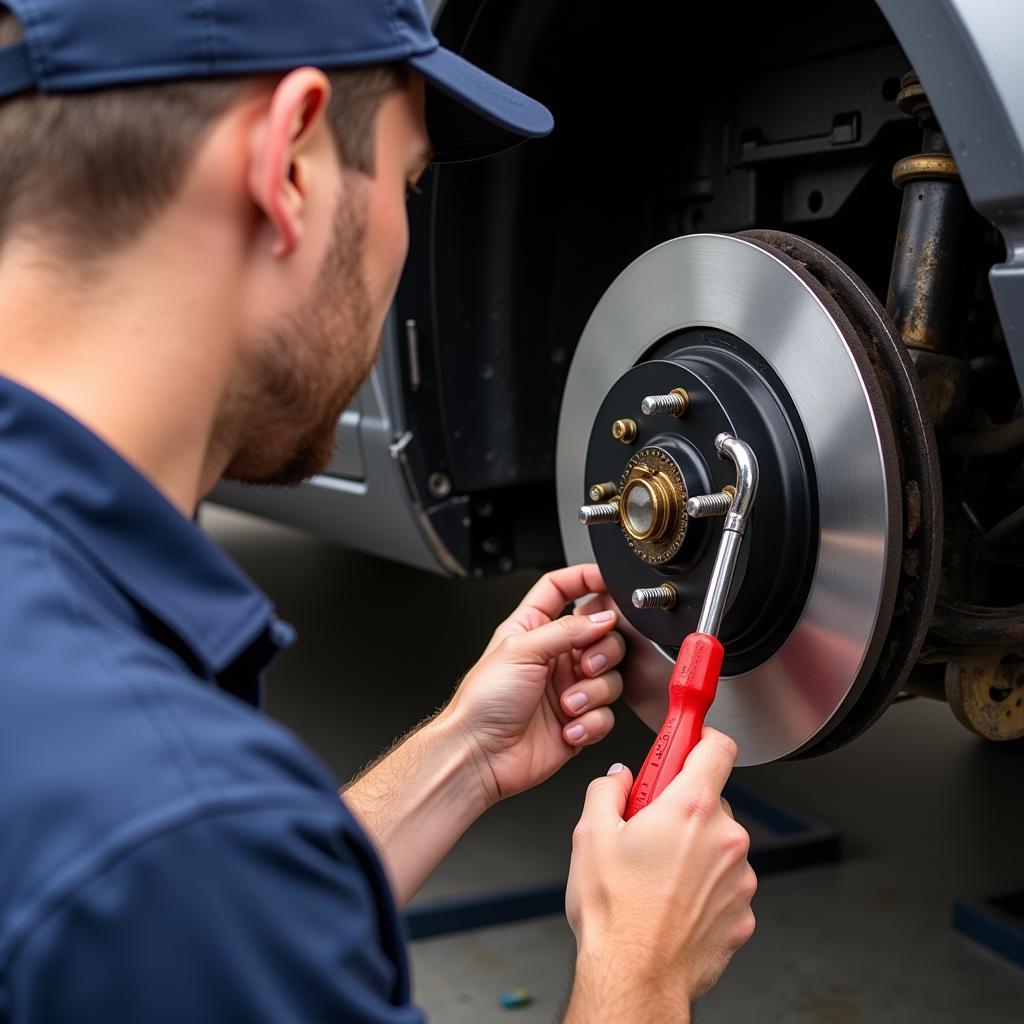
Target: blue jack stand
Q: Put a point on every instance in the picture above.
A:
(996, 923)
(782, 840)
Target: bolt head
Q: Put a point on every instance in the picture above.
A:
(439, 484)
(603, 492)
(624, 431)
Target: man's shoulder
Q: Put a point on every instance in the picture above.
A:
(103, 729)
(84, 665)
(260, 910)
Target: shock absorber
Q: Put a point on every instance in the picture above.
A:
(934, 266)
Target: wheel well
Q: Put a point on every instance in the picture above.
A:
(721, 120)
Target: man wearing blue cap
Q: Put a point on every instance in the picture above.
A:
(202, 226)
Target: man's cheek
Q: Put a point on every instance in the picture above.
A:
(389, 255)
(398, 240)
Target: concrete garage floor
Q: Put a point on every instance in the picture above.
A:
(927, 812)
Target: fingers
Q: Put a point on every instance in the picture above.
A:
(548, 597)
(607, 796)
(553, 591)
(592, 693)
(590, 727)
(706, 770)
(598, 603)
(570, 632)
(604, 655)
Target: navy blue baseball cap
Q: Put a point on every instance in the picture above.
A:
(76, 45)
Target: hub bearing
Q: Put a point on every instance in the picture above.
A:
(653, 506)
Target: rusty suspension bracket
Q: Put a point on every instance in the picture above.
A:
(935, 261)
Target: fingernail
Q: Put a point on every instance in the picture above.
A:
(595, 663)
(616, 768)
(574, 733)
(602, 616)
(575, 701)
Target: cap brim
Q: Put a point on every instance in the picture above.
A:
(472, 114)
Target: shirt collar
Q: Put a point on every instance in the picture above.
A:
(160, 559)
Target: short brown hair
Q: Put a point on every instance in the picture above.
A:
(95, 168)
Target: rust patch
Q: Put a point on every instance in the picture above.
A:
(912, 508)
(912, 562)
(986, 693)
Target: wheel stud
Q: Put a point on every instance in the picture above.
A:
(663, 597)
(595, 515)
(675, 403)
(700, 506)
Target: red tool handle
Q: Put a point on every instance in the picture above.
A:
(690, 693)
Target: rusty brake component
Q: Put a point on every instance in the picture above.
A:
(985, 689)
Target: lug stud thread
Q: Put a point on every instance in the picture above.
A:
(701, 506)
(675, 403)
(595, 515)
(602, 492)
(663, 597)
(624, 431)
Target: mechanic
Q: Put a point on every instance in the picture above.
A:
(203, 223)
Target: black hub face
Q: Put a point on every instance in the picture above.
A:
(730, 389)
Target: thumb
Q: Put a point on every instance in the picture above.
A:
(570, 632)
(607, 796)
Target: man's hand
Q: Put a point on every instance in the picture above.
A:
(542, 688)
(508, 727)
(658, 903)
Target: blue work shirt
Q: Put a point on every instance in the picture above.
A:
(167, 853)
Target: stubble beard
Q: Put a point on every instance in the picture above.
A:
(308, 369)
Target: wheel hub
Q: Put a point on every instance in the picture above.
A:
(670, 458)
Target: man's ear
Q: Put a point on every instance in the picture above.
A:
(278, 176)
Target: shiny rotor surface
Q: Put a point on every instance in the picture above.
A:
(726, 282)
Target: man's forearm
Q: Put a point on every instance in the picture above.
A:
(418, 800)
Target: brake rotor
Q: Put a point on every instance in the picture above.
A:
(808, 371)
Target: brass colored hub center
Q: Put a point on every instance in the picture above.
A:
(653, 506)
(646, 504)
